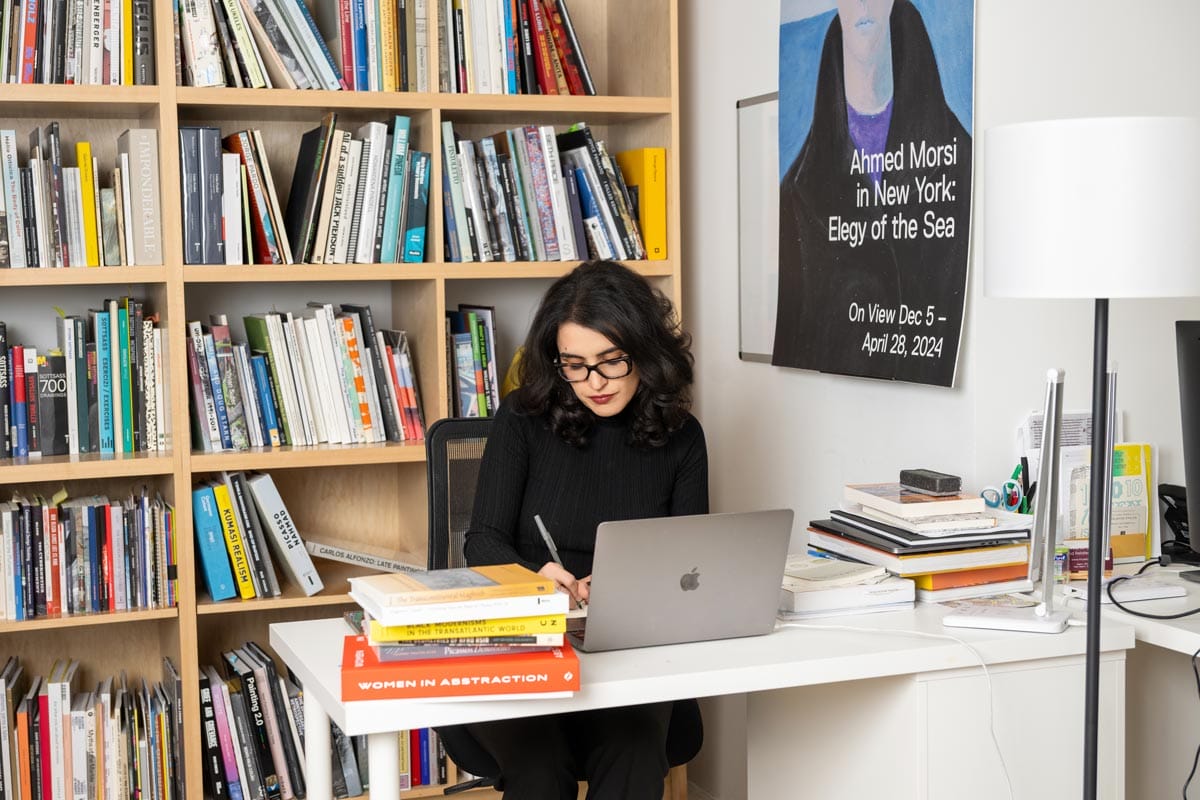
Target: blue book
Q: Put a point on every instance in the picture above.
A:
(266, 402)
(104, 382)
(423, 746)
(214, 380)
(210, 544)
(358, 30)
(397, 176)
(418, 209)
(510, 48)
(592, 222)
(126, 380)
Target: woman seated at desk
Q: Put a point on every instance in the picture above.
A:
(598, 430)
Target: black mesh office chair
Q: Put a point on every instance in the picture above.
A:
(454, 448)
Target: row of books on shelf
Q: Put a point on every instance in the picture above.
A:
(353, 200)
(243, 528)
(484, 46)
(496, 631)
(510, 47)
(305, 378)
(254, 729)
(255, 44)
(122, 738)
(901, 549)
(472, 372)
(529, 194)
(58, 215)
(94, 42)
(61, 556)
(101, 389)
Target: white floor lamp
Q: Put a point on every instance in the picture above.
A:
(1097, 209)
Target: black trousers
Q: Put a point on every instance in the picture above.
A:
(620, 752)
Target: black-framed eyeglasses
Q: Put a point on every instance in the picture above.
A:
(611, 369)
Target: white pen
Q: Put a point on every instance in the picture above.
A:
(546, 538)
(550, 544)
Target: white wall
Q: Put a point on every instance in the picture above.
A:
(780, 437)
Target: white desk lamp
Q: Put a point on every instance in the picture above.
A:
(1093, 208)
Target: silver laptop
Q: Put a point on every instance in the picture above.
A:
(685, 579)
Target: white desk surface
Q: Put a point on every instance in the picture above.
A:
(1180, 635)
(786, 658)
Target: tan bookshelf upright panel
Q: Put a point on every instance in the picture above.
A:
(370, 494)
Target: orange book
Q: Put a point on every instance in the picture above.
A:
(452, 585)
(364, 677)
(970, 577)
(350, 338)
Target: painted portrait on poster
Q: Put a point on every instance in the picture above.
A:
(875, 128)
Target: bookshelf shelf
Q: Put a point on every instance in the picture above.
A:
(551, 108)
(58, 622)
(83, 276)
(294, 273)
(102, 101)
(536, 269)
(318, 100)
(374, 496)
(273, 604)
(301, 273)
(315, 456)
(87, 467)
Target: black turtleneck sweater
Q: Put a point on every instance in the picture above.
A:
(527, 470)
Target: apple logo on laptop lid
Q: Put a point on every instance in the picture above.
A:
(690, 580)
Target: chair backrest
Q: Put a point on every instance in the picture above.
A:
(453, 448)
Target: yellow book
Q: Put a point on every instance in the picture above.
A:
(646, 168)
(387, 46)
(233, 542)
(512, 626)
(83, 157)
(451, 585)
(127, 42)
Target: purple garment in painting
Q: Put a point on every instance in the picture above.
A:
(869, 132)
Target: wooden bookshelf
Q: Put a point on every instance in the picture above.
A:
(372, 494)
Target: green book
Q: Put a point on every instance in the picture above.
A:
(260, 342)
(126, 380)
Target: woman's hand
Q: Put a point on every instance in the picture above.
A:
(577, 588)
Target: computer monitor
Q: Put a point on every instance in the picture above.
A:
(1187, 348)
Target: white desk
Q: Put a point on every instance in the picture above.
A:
(1163, 709)
(826, 707)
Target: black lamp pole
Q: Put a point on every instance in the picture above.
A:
(1096, 554)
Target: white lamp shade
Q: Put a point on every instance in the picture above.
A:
(1093, 208)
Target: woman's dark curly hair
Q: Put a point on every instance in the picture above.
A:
(617, 302)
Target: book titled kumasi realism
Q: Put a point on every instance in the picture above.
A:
(452, 585)
(900, 502)
(553, 672)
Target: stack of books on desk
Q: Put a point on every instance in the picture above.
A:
(817, 586)
(476, 631)
(951, 547)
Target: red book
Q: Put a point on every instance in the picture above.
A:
(566, 53)
(414, 757)
(541, 48)
(364, 677)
